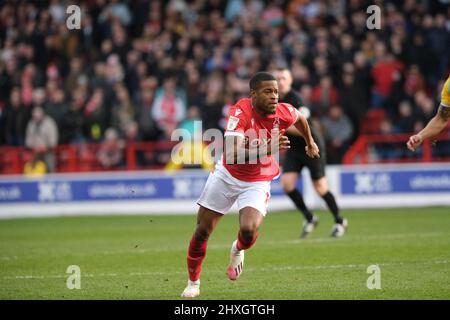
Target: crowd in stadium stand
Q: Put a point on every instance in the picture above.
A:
(136, 69)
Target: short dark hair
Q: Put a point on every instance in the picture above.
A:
(258, 77)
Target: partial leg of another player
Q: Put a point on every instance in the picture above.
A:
(250, 220)
(341, 224)
(206, 223)
(289, 182)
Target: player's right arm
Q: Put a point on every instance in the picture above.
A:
(236, 153)
(436, 124)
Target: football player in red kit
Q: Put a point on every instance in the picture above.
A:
(253, 137)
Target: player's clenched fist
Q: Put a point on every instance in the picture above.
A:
(414, 141)
(312, 150)
(279, 142)
(284, 142)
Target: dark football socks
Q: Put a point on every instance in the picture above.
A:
(297, 198)
(332, 205)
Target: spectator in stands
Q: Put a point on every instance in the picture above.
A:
(414, 81)
(169, 106)
(324, 96)
(338, 132)
(30, 79)
(438, 37)
(346, 49)
(321, 69)
(123, 110)
(352, 98)
(147, 125)
(110, 154)
(385, 72)
(300, 75)
(56, 107)
(39, 98)
(131, 133)
(362, 75)
(76, 70)
(73, 120)
(211, 112)
(16, 119)
(42, 136)
(94, 116)
(406, 120)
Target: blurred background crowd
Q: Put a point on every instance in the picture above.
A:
(137, 70)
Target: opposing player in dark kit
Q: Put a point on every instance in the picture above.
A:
(295, 161)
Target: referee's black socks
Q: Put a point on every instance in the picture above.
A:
(297, 198)
(332, 205)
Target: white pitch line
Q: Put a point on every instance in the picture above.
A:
(8, 258)
(261, 243)
(263, 269)
(285, 242)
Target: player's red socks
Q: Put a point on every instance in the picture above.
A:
(195, 257)
(244, 243)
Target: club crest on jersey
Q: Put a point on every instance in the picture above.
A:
(232, 123)
(238, 112)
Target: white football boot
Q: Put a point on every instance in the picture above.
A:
(339, 229)
(309, 227)
(236, 265)
(192, 290)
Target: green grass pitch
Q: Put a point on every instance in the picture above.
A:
(144, 257)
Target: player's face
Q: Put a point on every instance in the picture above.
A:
(265, 97)
(284, 79)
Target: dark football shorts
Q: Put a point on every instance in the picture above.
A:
(296, 160)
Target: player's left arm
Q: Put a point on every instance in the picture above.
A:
(303, 128)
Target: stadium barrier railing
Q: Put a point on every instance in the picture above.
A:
(377, 148)
(84, 157)
(367, 149)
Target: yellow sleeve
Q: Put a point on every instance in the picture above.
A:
(445, 95)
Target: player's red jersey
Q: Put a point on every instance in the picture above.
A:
(244, 121)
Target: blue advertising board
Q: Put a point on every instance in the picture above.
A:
(188, 185)
(367, 182)
(66, 188)
(98, 187)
